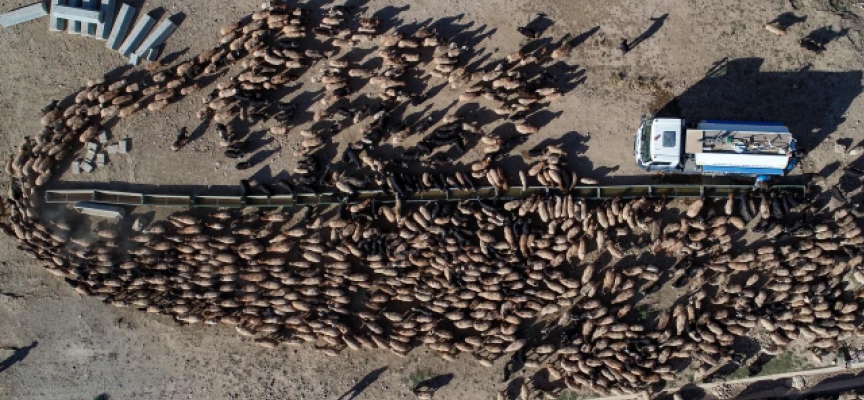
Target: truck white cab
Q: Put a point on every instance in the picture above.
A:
(715, 147)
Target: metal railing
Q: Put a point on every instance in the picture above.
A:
(331, 198)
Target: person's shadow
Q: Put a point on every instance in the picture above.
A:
(658, 23)
(19, 354)
(359, 387)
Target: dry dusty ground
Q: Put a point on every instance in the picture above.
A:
(86, 348)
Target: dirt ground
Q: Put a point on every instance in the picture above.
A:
(705, 59)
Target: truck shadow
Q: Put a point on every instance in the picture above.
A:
(830, 388)
(811, 103)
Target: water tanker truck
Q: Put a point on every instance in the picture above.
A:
(746, 149)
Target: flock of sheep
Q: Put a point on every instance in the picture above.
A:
(470, 278)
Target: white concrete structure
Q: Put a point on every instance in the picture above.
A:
(100, 210)
(109, 12)
(136, 35)
(77, 15)
(23, 14)
(157, 37)
(154, 53)
(121, 26)
(89, 29)
(56, 23)
(87, 167)
(71, 26)
(100, 19)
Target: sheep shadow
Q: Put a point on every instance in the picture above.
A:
(388, 15)
(787, 20)
(170, 58)
(567, 77)
(824, 35)
(540, 24)
(830, 169)
(437, 382)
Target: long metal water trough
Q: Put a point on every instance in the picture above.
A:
(303, 199)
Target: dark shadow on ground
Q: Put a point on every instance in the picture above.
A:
(358, 388)
(690, 392)
(830, 169)
(654, 28)
(169, 59)
(786, 20)
(824, 35)
(19, 354)
(178, 18)
(582, 37)
(540, 23)
(811, 103)
(437, 382)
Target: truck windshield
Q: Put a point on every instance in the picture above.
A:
(645, 150)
